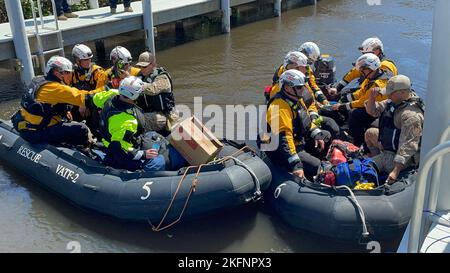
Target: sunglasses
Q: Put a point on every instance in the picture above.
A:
(298, 88)
(121, 65)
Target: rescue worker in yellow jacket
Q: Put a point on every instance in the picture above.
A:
(359, 120)
(289, 122)
(86, 76)
(370, 45)
(43, 116)
(121, 60)
(312, 51)
(298, 61)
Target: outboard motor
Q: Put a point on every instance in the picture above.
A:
(325, 71)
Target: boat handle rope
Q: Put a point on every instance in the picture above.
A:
(257, 194)
(192, 189)
(365, 232)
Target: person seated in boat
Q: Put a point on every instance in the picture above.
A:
(359, 120)
(121, 60)
(312, 51)
(86, 76)
(288, 120)
(370, 45)
(400, 128)
(298, 61)
(128, 146)
(157, 100)
(44, 115)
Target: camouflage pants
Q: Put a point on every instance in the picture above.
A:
(385, 161)
(157, 121)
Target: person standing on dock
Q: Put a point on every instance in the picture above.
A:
(63, 10)
(126, 4)
(401, 125)
(157, 100)
(121, 60)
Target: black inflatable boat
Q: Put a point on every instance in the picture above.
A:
(137, 196)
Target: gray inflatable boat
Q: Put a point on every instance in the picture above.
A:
(138, 196)
(356, 215)
(362, 215)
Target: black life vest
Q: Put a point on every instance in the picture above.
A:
(45, 110)
(325, 70)
(389, 135)
(302, 121)
(139, 140)
(89, 82)
(163, 102)
(114, 106)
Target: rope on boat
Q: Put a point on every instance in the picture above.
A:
(194, 184)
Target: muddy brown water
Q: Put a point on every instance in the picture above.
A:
(224, 69)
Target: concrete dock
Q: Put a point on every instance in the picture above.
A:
(100, 23)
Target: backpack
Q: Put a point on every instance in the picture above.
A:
(341, 151)
(356, 170)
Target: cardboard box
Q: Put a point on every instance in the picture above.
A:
(194, 141)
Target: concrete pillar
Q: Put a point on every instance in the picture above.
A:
(277, 8)
(148, 25)
(21, 44)
(226, 18)
(93, 4)
(437, 118)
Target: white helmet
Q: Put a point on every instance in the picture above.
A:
(60, 63)
(311, 50)
(120, 53)
(81, 52)
(131, 87)
(295, 57)
(368, 60)
(293, 78)
(370, 45)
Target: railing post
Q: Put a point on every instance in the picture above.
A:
(226, 15)
(21, 44)
(436, 176)
(93, 4)
(415, 234)
(147, 14)
(277, 8)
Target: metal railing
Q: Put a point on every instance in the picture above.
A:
(434, 156)
(40, 50)
(437, 170)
